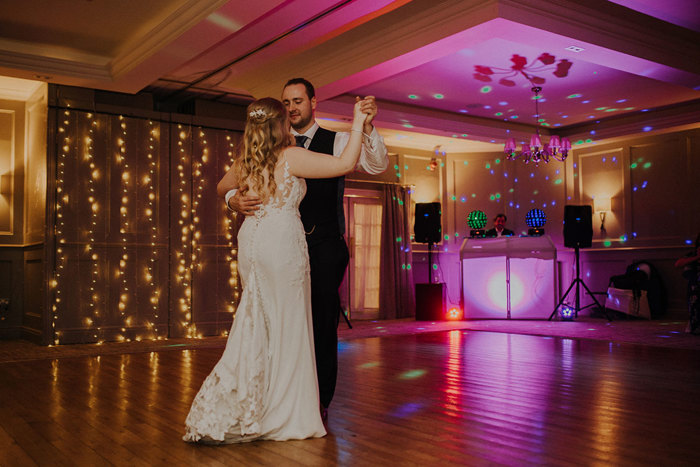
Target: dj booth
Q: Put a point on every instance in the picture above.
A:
(508, 277)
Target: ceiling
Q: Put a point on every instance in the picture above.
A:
(454, 73)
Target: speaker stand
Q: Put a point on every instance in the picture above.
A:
(430, 263)
(578, 282)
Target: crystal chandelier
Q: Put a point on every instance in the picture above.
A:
(537, 152)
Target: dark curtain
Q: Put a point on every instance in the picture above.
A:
(396, 291)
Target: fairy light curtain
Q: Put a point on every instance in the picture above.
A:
(139, 235)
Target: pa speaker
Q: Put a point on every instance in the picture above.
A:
(427, 227)
(578, 226)
(430, 302)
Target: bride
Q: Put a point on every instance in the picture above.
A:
(264, 386)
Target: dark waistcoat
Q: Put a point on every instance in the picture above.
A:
(322, 207)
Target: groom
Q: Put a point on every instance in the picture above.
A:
(324, 220)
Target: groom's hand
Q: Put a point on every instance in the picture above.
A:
(246, 205)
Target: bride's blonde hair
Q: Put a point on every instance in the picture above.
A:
(266, 135)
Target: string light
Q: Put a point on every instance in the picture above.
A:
(150, 215)
(62, 199)
(184, 271)
(121, 160)
(92, 227)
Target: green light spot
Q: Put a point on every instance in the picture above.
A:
(396, 167)
(405, 166)
(573, 96)
(541, 120)
(454, 198)
(647, 165)
(611, 110)
(412, 374)
(435, 267)
(498, 161)
(407, 125)
(486, 89)
(438, 96)
(473, 195)
(633, 165)
(408, 266)
(488, 166)
(607, 243)
(442, 164)
(535, 192)
(558, 181)
(466, 162)
(498, 196)
(412, 96)
(511, 190)
(492, 198)
(601, 108)
(589, 140)
(369, 365)
(456, 234)
(579, 142)
(447, 237)
(398, 239)
(498, 114)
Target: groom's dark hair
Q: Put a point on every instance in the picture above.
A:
(309, 87)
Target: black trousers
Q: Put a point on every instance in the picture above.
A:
(328, 261)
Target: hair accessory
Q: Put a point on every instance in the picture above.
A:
(257, 113)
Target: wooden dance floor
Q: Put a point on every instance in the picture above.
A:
(439, 398)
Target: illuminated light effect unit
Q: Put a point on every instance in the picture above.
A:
(476, 221)
(557, 148)
(535, 219)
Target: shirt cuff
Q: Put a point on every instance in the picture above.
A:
(230, 194)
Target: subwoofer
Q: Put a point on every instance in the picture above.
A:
(427, 226)
(578, 226)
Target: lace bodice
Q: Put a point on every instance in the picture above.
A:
(289, 193)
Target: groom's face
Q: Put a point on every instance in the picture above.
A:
(301, 108)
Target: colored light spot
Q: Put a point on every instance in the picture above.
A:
(558, 181)
(573, 96)
(633, 165)
(498, 161)
(513, 117)
(647, 128)
(623, 238)
(611, 110)
(435, 266)
(396, 167)
(447, 237)
(369, 365)
(463, 111)
(412, 96)
(647, 165)
(486, 89)
(438, 96)
(487, 107)
(492, 197)
(607, 243)
(407, 125)
(620, 101)
(408, 266)
(412, 374)
(600, 108)
(488, 166)
(454, 198)
(511, 190)
(466, 162)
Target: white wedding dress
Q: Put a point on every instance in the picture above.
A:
(264, 386)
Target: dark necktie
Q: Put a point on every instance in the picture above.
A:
(301, 139)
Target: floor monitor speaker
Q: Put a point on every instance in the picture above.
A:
(430, 302)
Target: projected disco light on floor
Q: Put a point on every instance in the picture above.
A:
(477, 222)
(535, 219)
